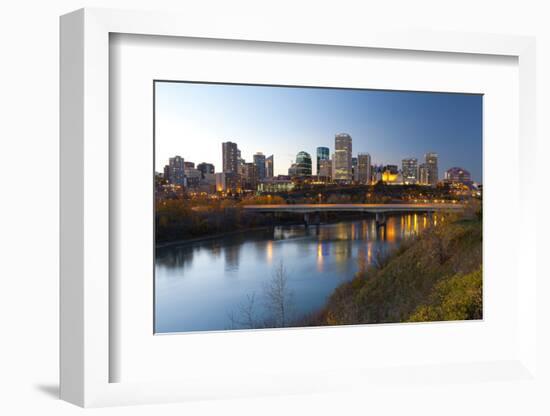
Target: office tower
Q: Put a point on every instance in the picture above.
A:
(250, 176)
(409, 169)
(176, 170)
(431, 161)
(342, 158)
(188, 165)
(458, 175)
(269, 166)
(206, 168)
(259, 162)
(323, 153)
(230, 156)
(354, 170)
(325, 170)
(303, 164)
(364, 168)
(424, 174)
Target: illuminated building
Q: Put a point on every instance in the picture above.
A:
(323, 153)
(269, 166)
(275, 185)
(409, 169)
(424, 174)
(259, 162)
(303, 164)
(230, 157)
(250, 176)
(176, 170)
(354, 170)
(433, 171)
(457, 174)
(390, 174)
(342, 158)
(325, 170)
(364, 168)
(227, 182)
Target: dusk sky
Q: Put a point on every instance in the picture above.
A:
(192, 120)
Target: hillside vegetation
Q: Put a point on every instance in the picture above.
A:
(436, 276)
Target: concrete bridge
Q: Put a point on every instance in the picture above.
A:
(379, 210)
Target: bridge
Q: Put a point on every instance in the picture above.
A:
(380, 210)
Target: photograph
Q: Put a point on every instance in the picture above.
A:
(279, 206)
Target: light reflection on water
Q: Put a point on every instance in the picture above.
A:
(198, 284)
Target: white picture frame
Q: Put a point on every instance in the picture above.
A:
(86, 355)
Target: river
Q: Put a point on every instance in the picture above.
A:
(200, 285)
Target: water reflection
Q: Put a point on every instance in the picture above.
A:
(198, 283)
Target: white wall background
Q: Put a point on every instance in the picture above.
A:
(29, 198)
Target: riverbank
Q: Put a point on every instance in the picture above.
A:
(435, 277)
(335, 220)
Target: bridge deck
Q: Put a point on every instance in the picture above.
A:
(372, 208)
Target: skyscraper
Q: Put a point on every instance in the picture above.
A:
(176, 170)
(431, 161)
(230, 156)
(354, 170)
(269, 166)
(364, 168)
(342, 158)
(424, 174)
(325, 170)
(250, 176)
(323, 153)
(303, 164)
(259, 162)
(409, 168)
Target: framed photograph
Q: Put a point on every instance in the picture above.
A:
(272, 212)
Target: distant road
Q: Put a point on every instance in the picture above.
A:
(372, 208)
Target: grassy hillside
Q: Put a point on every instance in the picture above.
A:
(436, 276)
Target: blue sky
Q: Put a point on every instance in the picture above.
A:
(192, 120)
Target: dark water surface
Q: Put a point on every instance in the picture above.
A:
(200, 285)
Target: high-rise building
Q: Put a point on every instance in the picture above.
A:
(424, 174)
(176, 170)
(259, 162)
(409, 169)
(364, 168)
(227, 182)
(205, 168)
(166, 174)
(458, 175)
(303, 164)
(269, 166)
(323, 153)
(354, 170)
(431, 161)
(230, 157)
(188, 165)
(250, 176)
(342, 158)
(325, 170)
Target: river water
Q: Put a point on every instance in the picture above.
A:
(203, 286)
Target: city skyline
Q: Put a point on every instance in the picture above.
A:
(182, 110)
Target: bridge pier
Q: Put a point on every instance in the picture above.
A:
(380, 223)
